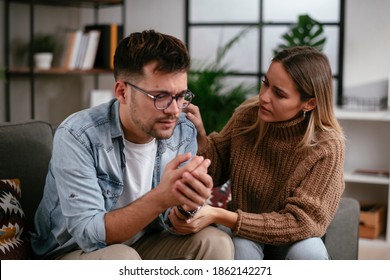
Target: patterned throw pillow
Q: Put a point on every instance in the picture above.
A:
(14, 242)
(220, 196)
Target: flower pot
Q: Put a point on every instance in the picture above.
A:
(43, 60)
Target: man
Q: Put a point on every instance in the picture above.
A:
(118, 169)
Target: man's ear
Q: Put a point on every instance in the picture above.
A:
(310, 105)
(120, 91)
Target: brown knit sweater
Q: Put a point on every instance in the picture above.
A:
(281, 195)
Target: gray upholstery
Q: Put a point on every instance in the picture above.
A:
(342, 236)
(25, 150)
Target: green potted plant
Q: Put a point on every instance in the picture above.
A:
(216, 100)
(306, 32)
(43, 47)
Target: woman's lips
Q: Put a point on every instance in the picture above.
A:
(264, 109)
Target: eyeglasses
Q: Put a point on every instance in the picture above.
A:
(164, 100)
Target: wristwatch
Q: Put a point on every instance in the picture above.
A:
(187, 214)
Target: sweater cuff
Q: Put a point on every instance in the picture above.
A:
(237, 227)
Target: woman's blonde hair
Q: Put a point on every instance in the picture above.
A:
(311, 73)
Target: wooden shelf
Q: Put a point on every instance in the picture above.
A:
(31, 74)
(365, 179)
(58, 71)
(73, 3)
(367, 136)
(363, 115)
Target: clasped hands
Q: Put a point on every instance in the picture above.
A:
(191, 187)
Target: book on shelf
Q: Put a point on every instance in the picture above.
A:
(81, 48)
(75, 46)
(110, 35)
(91, 50)
(69, 41)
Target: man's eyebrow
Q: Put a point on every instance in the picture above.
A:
(162, 91)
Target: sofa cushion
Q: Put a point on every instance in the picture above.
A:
(14, 243)
(220, 196)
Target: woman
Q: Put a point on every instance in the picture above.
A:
(284, 154)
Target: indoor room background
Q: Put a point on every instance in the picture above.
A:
(366, 43)
(366, 61)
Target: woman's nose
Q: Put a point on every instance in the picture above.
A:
(264, 95)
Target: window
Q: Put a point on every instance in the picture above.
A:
(212, 23)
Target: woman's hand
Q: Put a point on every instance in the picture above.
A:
(203, 218)
(193, 114)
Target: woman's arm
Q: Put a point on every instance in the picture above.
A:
(206, 216)
(215, 146)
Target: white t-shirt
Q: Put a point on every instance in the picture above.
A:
(140, 159)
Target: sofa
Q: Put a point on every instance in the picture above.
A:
(25, 150)
(341, 238)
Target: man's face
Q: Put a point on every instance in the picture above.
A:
(141, 120)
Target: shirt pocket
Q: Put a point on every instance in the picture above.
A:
(111, 190)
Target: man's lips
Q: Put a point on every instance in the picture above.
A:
(168, 122)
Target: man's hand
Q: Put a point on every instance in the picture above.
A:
(189, 184)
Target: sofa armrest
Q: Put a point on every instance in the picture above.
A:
(25, 151)
(342, 236)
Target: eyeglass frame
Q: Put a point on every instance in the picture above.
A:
(155, 97)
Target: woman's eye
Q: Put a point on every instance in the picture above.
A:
(279, 94)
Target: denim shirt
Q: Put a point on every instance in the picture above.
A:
(86, 178)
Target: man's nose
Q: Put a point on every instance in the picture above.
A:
(173, 108)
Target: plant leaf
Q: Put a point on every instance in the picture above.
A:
(217, 102)
(306, 32)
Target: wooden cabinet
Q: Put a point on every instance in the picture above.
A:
(27, 72)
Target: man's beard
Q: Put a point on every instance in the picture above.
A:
(162, 134)
(150, 130)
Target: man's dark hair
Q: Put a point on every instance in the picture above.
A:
(141, 48)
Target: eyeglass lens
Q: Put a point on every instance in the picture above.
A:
(163, 101)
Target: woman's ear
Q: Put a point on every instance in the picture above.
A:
(310, 104)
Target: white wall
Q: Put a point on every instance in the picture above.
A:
(367, 42)
(367, 50)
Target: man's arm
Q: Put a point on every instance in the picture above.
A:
(178, 186)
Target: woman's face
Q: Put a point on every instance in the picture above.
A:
(279, 100)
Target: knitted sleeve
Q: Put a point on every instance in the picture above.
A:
(218, 151)
(308, 208)
(219, 145)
